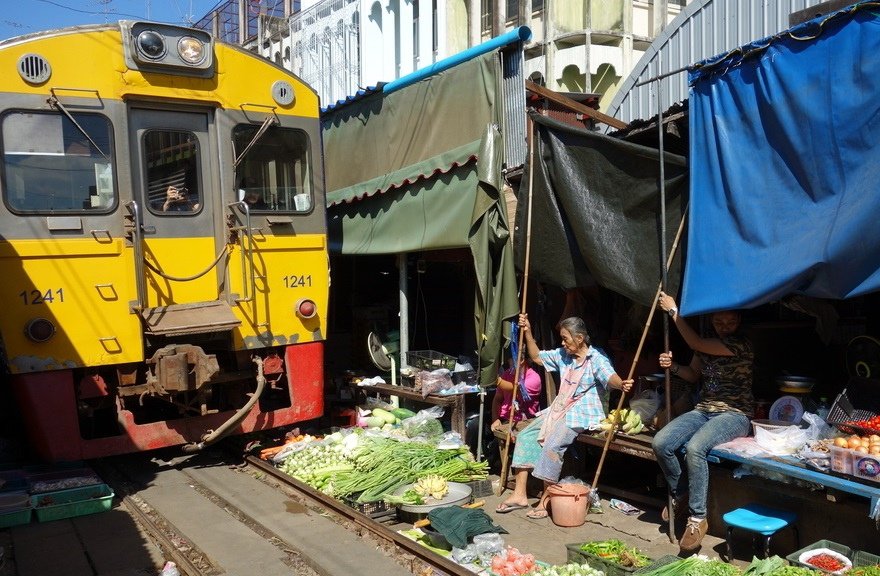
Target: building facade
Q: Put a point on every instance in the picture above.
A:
(342, 46)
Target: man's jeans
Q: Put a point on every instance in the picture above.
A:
(698, 432)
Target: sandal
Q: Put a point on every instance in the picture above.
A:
(507, 507)
(537, 513)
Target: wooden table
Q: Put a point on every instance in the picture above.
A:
(455, 401)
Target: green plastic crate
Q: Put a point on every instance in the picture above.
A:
(12, 518)
(577, 556)
(862, 558)
(839, 548)
(73, 502)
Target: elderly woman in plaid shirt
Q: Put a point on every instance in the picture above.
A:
(584, 374)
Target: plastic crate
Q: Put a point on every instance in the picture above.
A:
(55, 480)
(481, 488)
(13, 480)
(15, 517)
(862, 558)
(858, 401)
(374, 510)
(430, 360)
(839, 548)
(73, 502)
(578, 556)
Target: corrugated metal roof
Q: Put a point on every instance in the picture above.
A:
(362, 93)
(705, 28)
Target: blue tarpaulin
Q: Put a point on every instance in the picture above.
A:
(785, 167)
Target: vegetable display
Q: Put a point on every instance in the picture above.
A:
(617, 552)
(512, 562)
(567, 570)
(696, 566)
(826, 562)
(865, 571)
(628, 421)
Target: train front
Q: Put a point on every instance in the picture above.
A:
(162, 240)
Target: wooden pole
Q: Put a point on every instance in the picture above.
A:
(505, 467)
(615, 421)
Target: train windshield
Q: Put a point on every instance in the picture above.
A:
(274, 174)
(53, 165)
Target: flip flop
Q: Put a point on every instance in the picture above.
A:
(537, 513)
(505, 508)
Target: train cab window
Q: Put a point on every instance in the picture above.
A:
(53, 165)
(274, 174)
(172, 168)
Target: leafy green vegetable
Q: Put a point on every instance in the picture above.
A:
(794, 571)
(408, 498)
(865, 571)
(763, 567)
(616, 552)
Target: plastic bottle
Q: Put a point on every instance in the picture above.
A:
(823, 409)
(170, 569)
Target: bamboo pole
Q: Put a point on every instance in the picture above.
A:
(616, 420)
(505, 467)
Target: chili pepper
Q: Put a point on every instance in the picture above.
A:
(826, 562)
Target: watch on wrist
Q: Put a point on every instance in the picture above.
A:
(672, 312)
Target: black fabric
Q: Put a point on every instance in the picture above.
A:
(595, 212)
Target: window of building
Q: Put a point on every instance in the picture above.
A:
(50, 165)
(275, 173)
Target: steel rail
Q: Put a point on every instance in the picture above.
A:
(376, 528)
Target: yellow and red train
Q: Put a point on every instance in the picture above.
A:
(163, 246)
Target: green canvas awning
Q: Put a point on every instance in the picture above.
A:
(420, 169)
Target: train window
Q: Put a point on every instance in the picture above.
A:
(53, 165)
(275, 172)
(171, 160)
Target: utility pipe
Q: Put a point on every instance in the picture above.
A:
(521, 34)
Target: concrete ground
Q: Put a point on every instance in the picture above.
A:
(111, 543)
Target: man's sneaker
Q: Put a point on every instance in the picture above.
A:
(679, 506)
(693, 533)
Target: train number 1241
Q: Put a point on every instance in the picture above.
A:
(297, 281)
(39, 297)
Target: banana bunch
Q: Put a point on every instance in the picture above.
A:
(432, 485)
(630, 421)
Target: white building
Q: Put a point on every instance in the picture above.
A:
(342, 46)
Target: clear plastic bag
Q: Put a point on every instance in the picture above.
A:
(434, 381)
(424, 424)
(646, 404)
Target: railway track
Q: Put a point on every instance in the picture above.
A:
(218, 493)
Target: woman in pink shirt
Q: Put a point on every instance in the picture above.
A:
(528, 397)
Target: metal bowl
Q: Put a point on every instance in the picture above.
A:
(458, 494)
(797, 383)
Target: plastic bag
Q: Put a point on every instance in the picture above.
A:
(434, 381)
(486, 546)
(818, 427)
(425, 424)
(646, 404)
(450, 441)
(781, 440)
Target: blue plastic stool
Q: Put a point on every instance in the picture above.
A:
(760, 520)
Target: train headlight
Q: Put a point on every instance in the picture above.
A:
(191, 50)
(39, 330)
(151, 44)
(306, 308)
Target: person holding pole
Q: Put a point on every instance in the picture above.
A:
(540, 447)
(722, 413)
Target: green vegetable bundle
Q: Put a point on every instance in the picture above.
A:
(566, 570)
(616, 552)
(695, 566)
(382, 465)
(865, 571)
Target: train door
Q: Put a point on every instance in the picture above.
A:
(176, 195)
